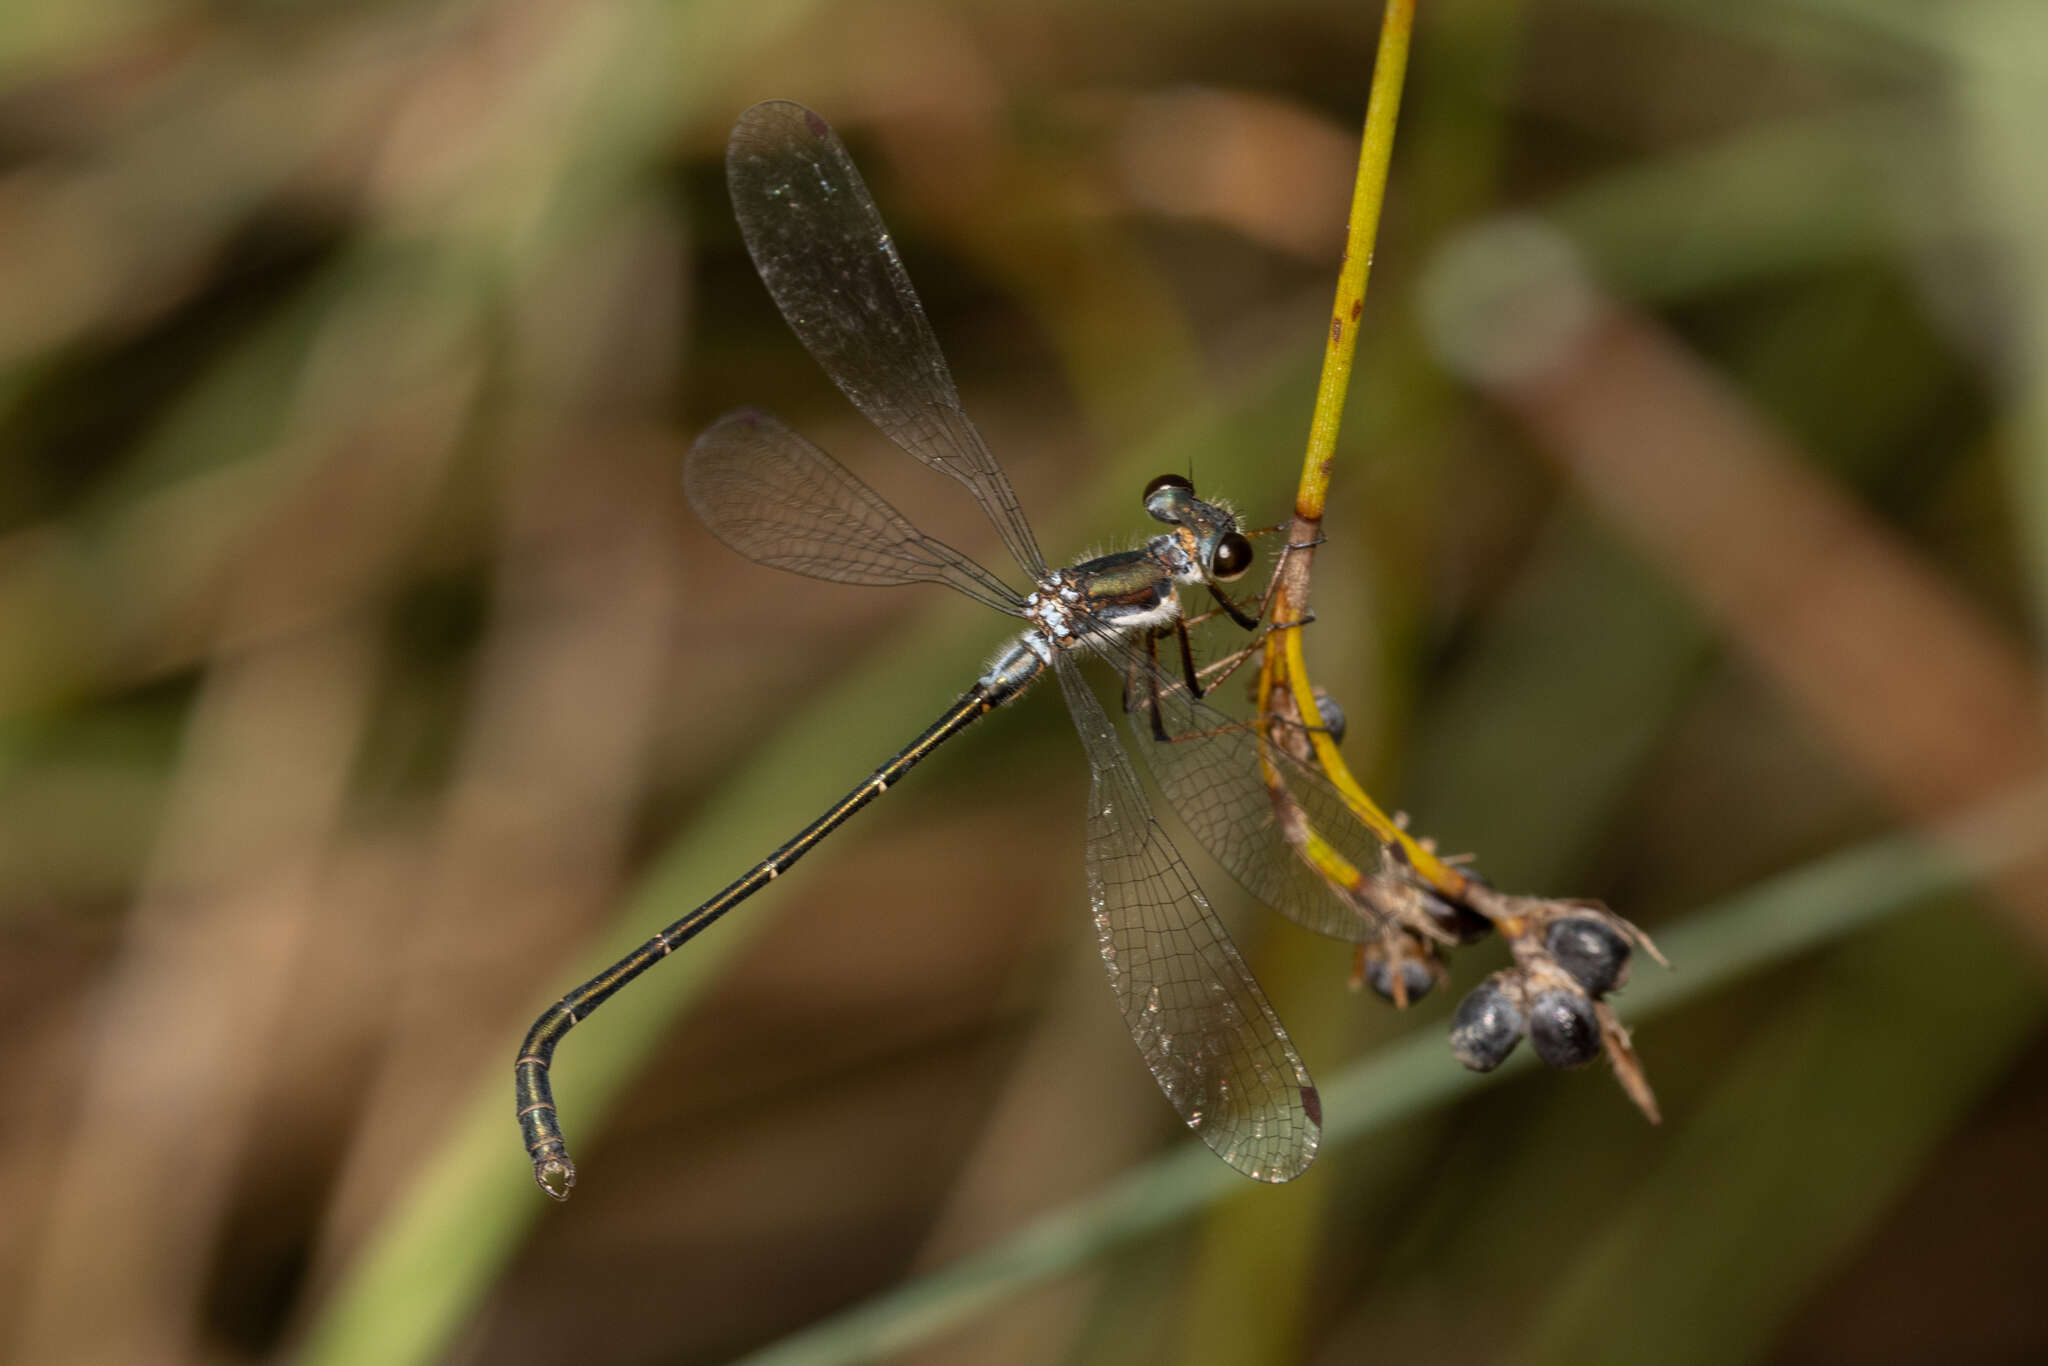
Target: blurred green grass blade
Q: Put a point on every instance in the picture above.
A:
(1782, 917)
(2004, 107)
(1567, 694)
(1787, 197)
(1877, 40)
(1829, 1113)
(83, 603)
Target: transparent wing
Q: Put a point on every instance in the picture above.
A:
(1237, 795)
(1205, 1029)
(780, 501)
(827, 258)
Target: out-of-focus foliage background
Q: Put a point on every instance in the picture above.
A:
(365, 680)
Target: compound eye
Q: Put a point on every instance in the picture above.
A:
(1169, 481)
(1233, 556)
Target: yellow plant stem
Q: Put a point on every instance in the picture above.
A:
(1282, 664)
(1368, 193)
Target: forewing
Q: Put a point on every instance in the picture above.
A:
(780, 501)
(828, 259)
(1197, 1015)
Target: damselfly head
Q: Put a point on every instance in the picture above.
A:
(1207, 531)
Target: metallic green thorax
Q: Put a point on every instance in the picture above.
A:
(1131, 581)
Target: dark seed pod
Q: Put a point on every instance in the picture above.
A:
(1563, 1030)
(1456, 919)
(1415, 976)
(1485, 1028)
(1592, 951)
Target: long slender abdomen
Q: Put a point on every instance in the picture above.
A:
(1013, 671)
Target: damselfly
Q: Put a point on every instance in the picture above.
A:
(1202, 1024)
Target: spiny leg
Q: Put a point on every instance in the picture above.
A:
(1218, 670)
(1199, 684)
(1237, 613)
(1151, 668)
(1148, 664)
(1187, 658)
